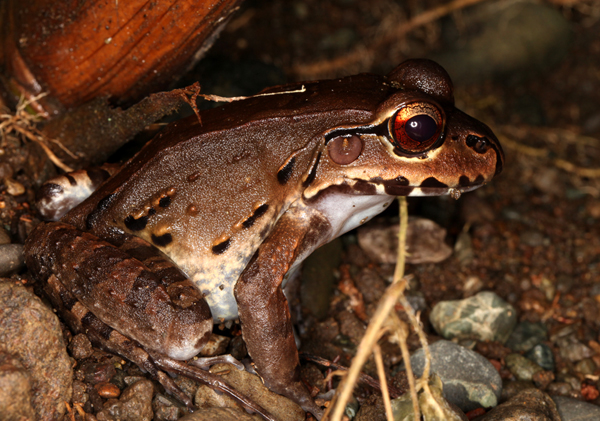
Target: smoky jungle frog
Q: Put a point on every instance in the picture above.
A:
(208, 220)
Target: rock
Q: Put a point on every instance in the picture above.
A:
(11, 258)
(515, 40)
(80, 347)
(470, 381)
(570, 348)
(530, 405)
(402, 407)
(483, 317)
(15, 390)
(4, 236)
(521, 367)
(542, 355)
(30, 331)
(135, 404)
(252, 387)
(526, 335)
(575, 410)
(167, 409)
(514, 387)
(424, 242)
(219, 414)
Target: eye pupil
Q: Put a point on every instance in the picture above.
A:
(421, 128)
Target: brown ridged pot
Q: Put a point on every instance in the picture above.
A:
(77, 50)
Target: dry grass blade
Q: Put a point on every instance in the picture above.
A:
(383, 381)
(24, 124)
(374, 330)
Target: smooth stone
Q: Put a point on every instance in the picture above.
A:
(482, 317)
(575, 410)
(530, 405)
(253, 388)
(542, 355)
(521, 367)
(11, 258)
(219, 414)
(516, 41)
(425, 242)
(31, 332)
(526, 335)
(470, 380)
(402, 407)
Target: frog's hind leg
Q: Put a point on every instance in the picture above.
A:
(80, 271)
(62, 193)
(104, 337)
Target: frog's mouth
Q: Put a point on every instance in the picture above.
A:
(431, 186)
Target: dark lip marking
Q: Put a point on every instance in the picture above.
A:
(433, 182)
(258, 212)
(313, 172)
(285, 173)
(162, 240)
(221, 247)
(71, 179)
(136, 224)
(164, 201)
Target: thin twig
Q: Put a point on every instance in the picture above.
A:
(384, 390)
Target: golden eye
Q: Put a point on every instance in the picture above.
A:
(416, 127)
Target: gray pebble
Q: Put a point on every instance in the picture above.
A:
(521, 367)
(526, 335)
(575, 410)
(11, 258)
(542, 355)
(470, 380)
(483, 317)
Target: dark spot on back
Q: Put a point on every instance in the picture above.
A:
(221, 247)
(136, 224)
(284, 174)
(71, 179)
(162, 240)
(151, 211)
(105, 201)
(68, 300)
(164, 202)
(258, 212)
(432, 182)
(313, 172)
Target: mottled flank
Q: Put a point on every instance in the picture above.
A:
(221, 247)
(162, 240)
(258, 212)
(136, 224)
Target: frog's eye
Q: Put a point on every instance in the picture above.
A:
(416, 127)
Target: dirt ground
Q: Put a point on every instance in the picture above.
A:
(534, 230)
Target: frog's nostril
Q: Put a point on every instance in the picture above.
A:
(478, 144)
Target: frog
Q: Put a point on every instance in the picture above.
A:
(209, 220)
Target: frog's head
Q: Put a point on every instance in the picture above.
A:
(418, 143)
